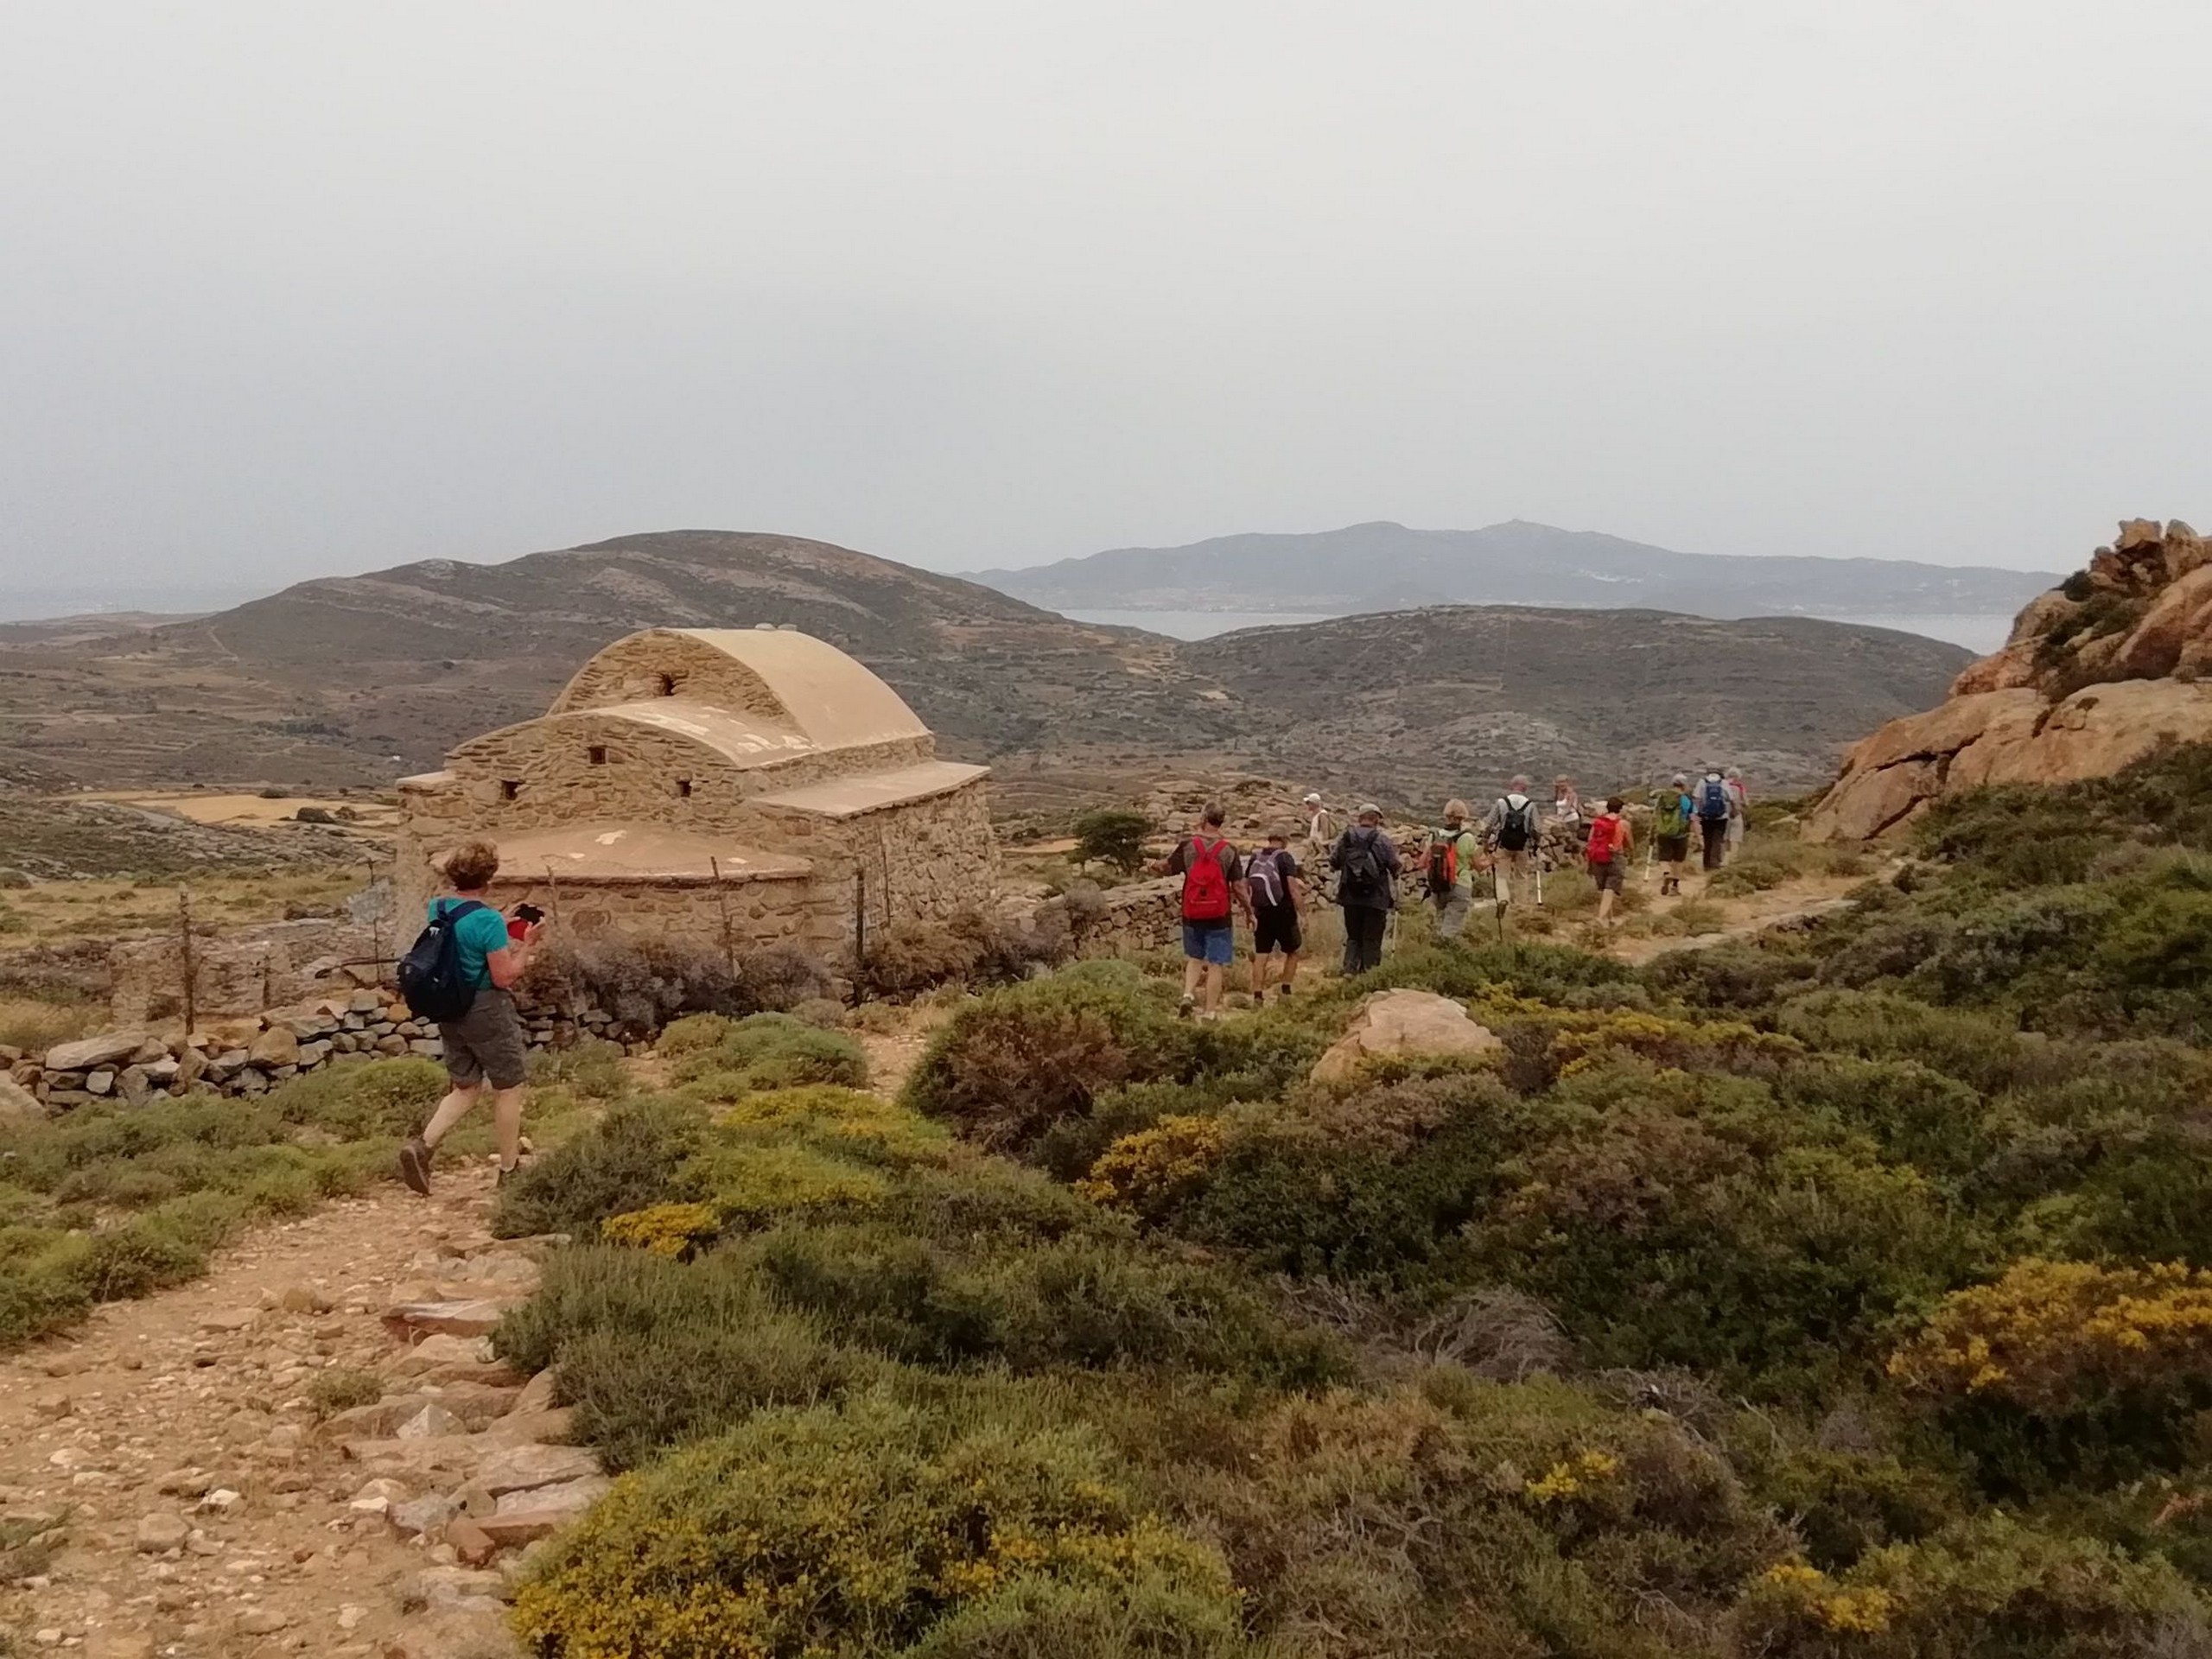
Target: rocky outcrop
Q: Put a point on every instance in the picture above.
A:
(2097, 674)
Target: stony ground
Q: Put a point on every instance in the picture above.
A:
(196, 1507)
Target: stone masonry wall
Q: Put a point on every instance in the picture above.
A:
(929, 858)
(248, 1057)
(240, 970)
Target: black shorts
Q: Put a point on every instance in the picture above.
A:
(1274, 927)
(1609, 875)
(1674, 849)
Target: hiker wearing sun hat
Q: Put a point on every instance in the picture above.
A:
(1366, 863)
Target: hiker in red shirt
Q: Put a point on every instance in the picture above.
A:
(1608, 852)
(1213, 891)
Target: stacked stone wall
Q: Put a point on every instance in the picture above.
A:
(239, 971)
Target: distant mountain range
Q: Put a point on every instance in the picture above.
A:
(354, 680)
(1387, 566)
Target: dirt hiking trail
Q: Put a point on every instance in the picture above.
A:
(201, 1508)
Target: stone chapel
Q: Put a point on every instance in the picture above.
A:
(704, 784)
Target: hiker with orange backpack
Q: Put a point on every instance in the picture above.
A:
(1609, 852)
(1453, 852)
(1213, 891)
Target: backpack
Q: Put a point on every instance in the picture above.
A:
(1206, 884)
(1605, 838)
(1444, 863)
(1361, 866)
(1263, 876)
(430, 974)
(1514, 834)
(1712, 798)
(1674, 812)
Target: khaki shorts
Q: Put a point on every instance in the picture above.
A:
(485, 1043)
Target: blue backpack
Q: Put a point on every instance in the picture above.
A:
(1713, 799)
(430, 974)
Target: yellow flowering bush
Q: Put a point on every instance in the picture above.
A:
(759, 1182)
(845, 1120)
(665, 1229)
(818, 1531)
(1573, 1476)
(1990, 1587)
(1155, 1170)
(2052, 1336)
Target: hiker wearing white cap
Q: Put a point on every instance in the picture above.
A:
(1320, 828)
(1739, 810)
(1366, 864)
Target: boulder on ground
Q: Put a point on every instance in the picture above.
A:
(1403, 1021)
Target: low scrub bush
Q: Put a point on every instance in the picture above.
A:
(971, 948)
(363, 1101)
(1990, 1589)
(1008, 1066)
(342, 1388)
(862, 1531)
(646, 983)
(631, 1159)
(723, 1060)
(1674, 1220)
(652, 1351)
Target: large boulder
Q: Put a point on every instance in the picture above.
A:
(1404, 1023)
(2084, 687)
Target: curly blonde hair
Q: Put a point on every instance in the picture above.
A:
(471, 866)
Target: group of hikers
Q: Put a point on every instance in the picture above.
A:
(1271, 887)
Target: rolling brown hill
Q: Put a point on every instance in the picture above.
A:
(354, 680)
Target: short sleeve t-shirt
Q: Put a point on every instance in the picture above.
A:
(1267, 874)
(476, 936)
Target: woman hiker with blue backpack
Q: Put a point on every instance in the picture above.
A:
(1715, 806)
(459, 972)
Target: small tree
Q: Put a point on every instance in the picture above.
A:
(1112, 834)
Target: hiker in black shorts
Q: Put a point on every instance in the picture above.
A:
(1277, 894)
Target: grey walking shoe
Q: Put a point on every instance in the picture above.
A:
(415, 1165)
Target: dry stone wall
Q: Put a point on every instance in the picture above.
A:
(238, 971)
(250, 1057)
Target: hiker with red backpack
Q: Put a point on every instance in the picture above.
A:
(1213, 891)
(1453, 852)
(1366, 863)
(1608, 853)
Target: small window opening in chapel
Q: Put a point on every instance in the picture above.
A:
(599, 754)
(683, 787)
(668, 685)
(510, 788)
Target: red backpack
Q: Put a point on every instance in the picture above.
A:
(1206, 884)
(1605, 838)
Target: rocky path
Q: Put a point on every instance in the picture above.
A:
(167, 1489)
(1810, 895)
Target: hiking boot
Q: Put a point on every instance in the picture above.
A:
(1187, 1007)
(415, 1165)
(1282, 992)
(506, 1172)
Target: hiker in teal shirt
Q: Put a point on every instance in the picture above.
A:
(484, 1044)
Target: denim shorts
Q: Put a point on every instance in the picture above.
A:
(1209, 942)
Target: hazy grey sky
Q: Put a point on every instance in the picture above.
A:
(290, 290)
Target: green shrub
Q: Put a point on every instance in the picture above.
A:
(767, 1051)
(860, 1531)
(342, 1388)
(592, 1067)
(631, 1158)
(1991, 1589)
(1085, 1302)
(1008, 1066)
(1673, 1220)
